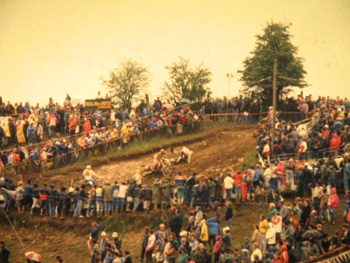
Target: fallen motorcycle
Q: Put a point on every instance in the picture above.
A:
(152, 169)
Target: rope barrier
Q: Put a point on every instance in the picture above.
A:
(14, 230)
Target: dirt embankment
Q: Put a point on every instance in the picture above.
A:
(217, 149)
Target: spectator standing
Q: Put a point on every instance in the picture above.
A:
(5, 252)
(228, 184)
(333, 202)
(144, 243)
(229, 213)
(127, 258)
(238, 186)
(107, 193)
(150, 246)
(103, 245)
(180, 180)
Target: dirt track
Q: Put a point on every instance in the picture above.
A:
(221, 149)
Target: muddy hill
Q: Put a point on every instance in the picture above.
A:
(216, 149)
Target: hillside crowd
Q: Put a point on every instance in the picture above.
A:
(327, 132)
(284, 234)
(89, 133)
(281, 235)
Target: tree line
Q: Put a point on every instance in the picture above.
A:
(131, 79)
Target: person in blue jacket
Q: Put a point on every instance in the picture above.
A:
(214, 230)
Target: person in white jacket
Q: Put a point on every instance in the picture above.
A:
(228, 184)
(150, 246)
(277, 222)
(267, 176)
(271, 235)
(121, 196)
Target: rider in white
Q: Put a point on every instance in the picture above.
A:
(159, 158)
(185, 155)
(90, 175)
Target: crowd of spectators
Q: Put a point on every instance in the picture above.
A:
(326, 132)
(40, 134)
(288, 232)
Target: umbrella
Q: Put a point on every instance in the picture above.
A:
(33, 256)
(185, 101)
(168, 106)
(312, 234)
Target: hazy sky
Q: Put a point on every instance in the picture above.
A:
(49, 48)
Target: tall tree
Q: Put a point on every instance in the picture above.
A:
(186, 81)
(258, 69)
(127, 82)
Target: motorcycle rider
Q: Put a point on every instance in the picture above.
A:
(90, 175)
(185, 155)
(159, 159)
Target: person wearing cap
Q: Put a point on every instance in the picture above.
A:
(19, 195)
(116, 241)
(90, 175)
(103, 245)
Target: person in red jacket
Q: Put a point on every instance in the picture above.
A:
(44, 198)
(73, 122)
(238, 186)
(279, 171)
(333, 202)
(87, 126)
(284, 258)
(335, 142)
